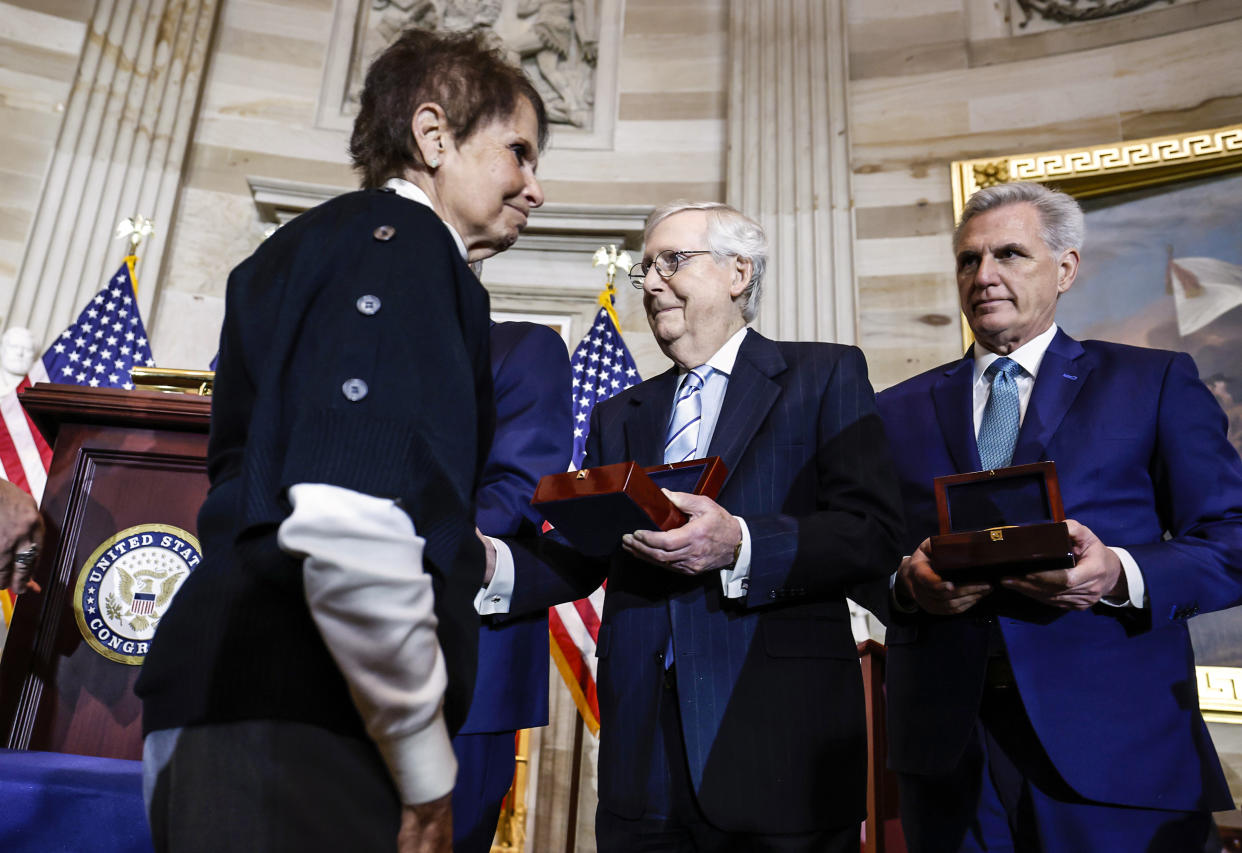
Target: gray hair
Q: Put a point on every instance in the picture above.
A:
(1059, 214)
(729, 233)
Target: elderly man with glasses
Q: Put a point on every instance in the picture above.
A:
(731, 701)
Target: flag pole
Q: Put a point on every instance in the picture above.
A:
(135, 228)
(609, 257)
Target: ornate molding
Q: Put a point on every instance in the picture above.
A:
(1085, 172)
(1142, 153)
(1220, 693)
(553, 227)
(1077, 11)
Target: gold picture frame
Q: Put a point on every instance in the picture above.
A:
(1220, 693)
(1103, 169)
(1114, 168)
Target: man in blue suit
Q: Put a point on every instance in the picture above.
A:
(534, 436)
(730, 695)
(1058, 711)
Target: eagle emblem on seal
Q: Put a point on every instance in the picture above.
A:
(125, 588)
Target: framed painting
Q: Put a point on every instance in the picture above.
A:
(1161, 267)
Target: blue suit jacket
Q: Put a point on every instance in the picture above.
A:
(1140, 449)
(771, 698)
(534, 436)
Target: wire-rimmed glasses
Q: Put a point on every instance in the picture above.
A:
(665, 264)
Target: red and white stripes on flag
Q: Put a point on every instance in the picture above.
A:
(574, 629)
(24, 455)
(24, 459)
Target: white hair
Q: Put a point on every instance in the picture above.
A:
(730, 233)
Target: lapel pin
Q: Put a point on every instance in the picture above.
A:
(1067, 376)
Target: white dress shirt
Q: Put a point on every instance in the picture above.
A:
(1030, 356)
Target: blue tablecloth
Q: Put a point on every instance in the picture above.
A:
(51, 802)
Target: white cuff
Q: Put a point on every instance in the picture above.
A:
(373, 603)
(422, 762)
(1134, 582)
(736, 579)
(497, 595)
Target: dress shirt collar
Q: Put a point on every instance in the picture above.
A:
(723, 360)
(1030, 355)
(405, 189)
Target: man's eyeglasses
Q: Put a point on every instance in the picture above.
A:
(665, 264)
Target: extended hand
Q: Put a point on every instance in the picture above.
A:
(707, 541)
(21, 535)
(1097, 573)
(427, 827)
(917, 579)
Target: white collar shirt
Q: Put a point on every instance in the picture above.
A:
(1029, 356)
(405, 189)
(715, 382)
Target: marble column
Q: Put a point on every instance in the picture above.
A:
(788, 160)
(123, 140)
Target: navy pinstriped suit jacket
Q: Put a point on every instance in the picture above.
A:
(769, 686)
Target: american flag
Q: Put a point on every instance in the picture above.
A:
(99, 349)
(105, 343)
(602, 367)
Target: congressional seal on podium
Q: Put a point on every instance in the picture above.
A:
(126, 586)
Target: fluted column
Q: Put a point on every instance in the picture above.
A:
(120, 151)
(788, 161)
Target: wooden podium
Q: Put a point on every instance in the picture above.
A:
(120, 459)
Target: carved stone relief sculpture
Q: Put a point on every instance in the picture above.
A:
(1075, 11)
(556, 41)
(570, 49)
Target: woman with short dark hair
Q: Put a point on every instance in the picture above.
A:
(302, 686)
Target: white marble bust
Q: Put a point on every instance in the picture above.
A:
(17, 354)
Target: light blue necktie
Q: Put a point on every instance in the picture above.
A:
(1002, 416)
(683, 442)
(683, 432)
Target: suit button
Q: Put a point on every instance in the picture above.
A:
(354, 390)
(384, 233)
(659, 656)
(368, 304)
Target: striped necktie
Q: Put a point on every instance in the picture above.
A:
(683, 442)
(1002, 416)
(683, 431)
